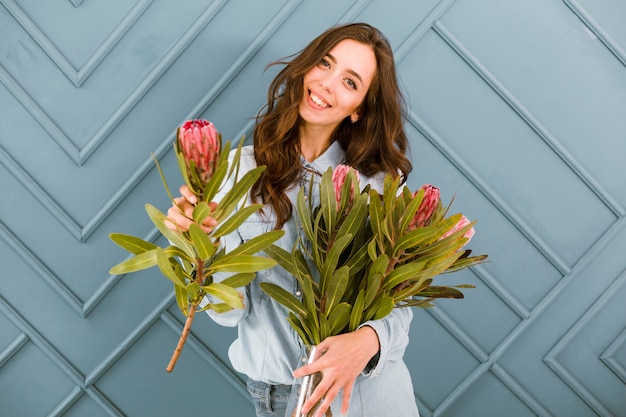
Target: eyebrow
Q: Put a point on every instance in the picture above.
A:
(356, 74)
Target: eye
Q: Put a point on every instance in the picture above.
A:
(324, 63)
(350, 83)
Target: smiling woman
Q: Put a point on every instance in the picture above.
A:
(336, 102)
(333, 90)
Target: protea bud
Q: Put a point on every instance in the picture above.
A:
(198, 140)
(429, 204)
(340, 173)
(461, 224)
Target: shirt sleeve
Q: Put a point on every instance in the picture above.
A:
(393, 336)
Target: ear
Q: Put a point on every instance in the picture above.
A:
(354, 117)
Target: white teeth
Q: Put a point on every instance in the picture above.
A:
(318, 101)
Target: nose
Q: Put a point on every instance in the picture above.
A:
(327, 83)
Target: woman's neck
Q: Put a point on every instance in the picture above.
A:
(314, 142)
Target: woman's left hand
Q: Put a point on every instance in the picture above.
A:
(343, 359)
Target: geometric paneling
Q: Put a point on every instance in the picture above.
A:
(587, 356)
(516, 108)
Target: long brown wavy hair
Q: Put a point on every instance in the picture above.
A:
(376, 143)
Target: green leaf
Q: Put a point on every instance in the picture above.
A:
(411, 209)
(324, 326)
(311, 324)
(132, 244)
(356, 218)
(304, 215)
(468, 262)
(380, 265)
(386, 306)
(376, 213)
(241, 263)
(284, 258)
(339, 317)
(445, 225)
(201, 211)
(182, 166)
(328, 204)
(332, 259)
(284, 298)
(239, 280)
(300, 328)
(401, 274)
(441, 265)
(307, 286)
(182, 299)
(371, 249)
(225, 154)
(390, 191)
(229, 295)
(176, 238)
(175, 252)
(217, 307)
(201, 242)
(318, 240)
(415, 238)
(166, 268)
(441, 292)
(357, 311)
(358, 260)
(236, 220)
(215, 182)
(336, 287)
(260, 243)
(372, 290)
(388, 227)
(350, 186)
(194, 291)
(374, 279)
(139, 262)
(412, 290)
(238, 191)
(167, 189)
(443, 249)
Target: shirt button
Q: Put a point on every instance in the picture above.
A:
(298, 293)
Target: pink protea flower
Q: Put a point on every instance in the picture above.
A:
(461, 224)
(429, 204)
(340, 173)
(199, 142)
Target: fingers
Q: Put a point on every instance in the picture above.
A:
(321, 393)
(180, 214)
(188, 194)
(342, 360)
(347, 394)
(326, 392)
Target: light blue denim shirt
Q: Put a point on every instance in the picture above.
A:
(267, 348)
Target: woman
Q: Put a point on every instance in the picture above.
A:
(336, 102)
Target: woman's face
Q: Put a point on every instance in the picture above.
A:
(335, 88)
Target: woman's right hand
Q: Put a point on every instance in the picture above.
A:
(180, 214)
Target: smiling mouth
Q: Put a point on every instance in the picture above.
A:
(318, 100)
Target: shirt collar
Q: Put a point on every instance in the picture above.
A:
(331, 157)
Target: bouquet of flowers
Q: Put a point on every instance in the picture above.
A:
(369, 254)
(193, 256)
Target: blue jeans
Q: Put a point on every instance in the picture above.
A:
(269, 400)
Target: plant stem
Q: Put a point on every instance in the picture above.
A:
(190, 315)
(183, 337)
